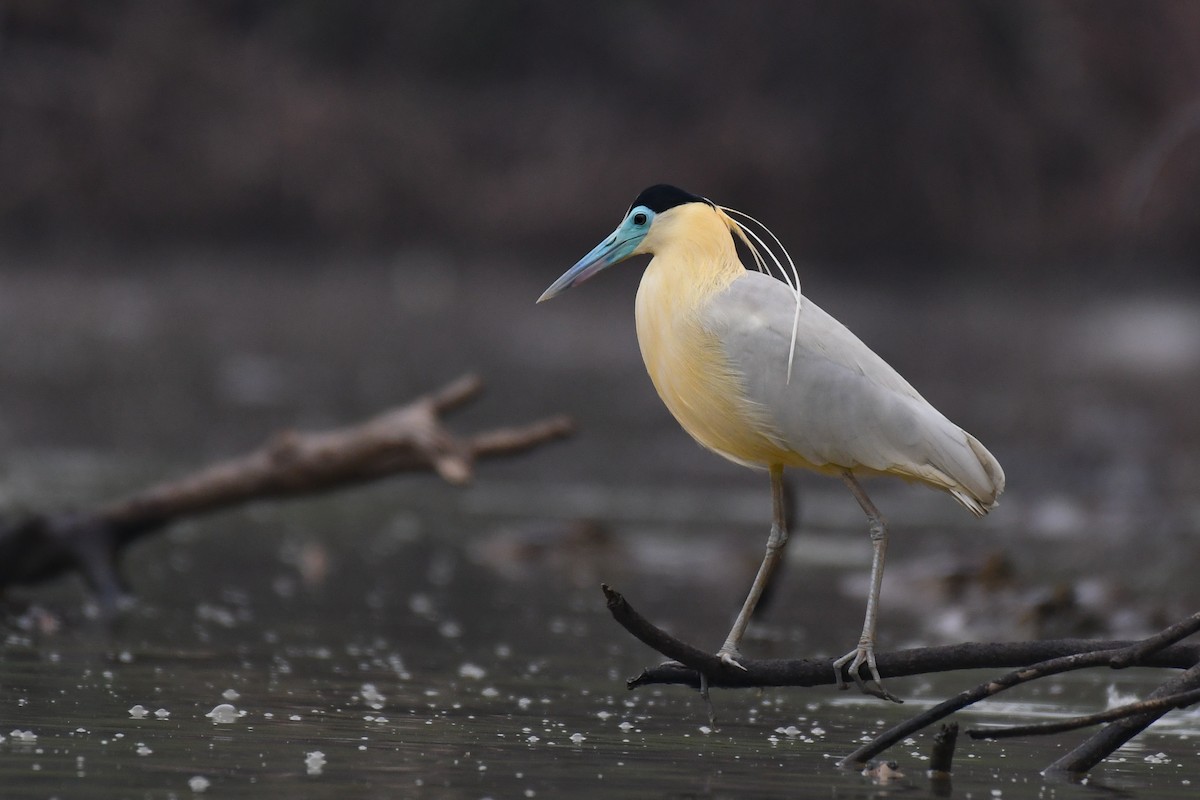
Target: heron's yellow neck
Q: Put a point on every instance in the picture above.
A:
(694, 261)
(694, 255)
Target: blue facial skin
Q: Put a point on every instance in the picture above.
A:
(618, 246)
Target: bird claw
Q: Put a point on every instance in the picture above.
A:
(729, 659)
(863, 654)
(726, 658)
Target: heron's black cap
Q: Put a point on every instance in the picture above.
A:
(662, 196)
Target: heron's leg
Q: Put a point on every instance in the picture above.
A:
(865, 652)
(775, 544)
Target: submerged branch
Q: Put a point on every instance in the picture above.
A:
(1167, 703)
(694, 667)
(1054, 666)
(1105, 742)
(941, 757)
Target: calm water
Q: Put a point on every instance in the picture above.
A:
(434, 642)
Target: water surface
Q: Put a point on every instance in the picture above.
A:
(411, 639)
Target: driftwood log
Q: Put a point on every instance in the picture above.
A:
(701, 669)
(408, 438)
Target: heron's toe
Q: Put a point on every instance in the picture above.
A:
(863, 654)
(730, 659)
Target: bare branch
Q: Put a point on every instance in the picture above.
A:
(1106, 741)
(1033, 660)
(510, 441)
(944, 709)
(407, 438)
(693, 661)
(455, 393)
(1167, 703)
(1167, 636)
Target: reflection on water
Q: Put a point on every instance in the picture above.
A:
(410, 639)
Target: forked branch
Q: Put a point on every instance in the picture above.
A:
(408, 438)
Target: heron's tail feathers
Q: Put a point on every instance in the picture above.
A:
(980, 496)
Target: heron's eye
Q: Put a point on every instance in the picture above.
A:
(639, 218)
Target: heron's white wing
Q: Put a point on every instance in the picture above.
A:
(844, 406)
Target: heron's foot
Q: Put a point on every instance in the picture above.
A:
(863, 654)
(729, 656)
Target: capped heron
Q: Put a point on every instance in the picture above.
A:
(760, 374)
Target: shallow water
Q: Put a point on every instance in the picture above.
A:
(422, 673)
(438, 642)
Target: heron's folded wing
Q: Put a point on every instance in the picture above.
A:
(844, 406)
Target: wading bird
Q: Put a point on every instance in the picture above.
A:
(759, 374)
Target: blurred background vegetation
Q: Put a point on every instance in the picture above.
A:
(911, 138)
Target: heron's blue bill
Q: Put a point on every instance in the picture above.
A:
(618, 246)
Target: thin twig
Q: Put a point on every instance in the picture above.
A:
(1172, 701)
(508, 441)
(455, 393)
(944, 709)
(1105, 742)
(1164, 638)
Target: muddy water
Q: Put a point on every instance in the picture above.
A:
(413, 640)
